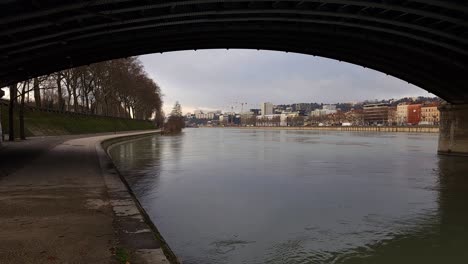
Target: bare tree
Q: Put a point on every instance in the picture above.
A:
(11, 112)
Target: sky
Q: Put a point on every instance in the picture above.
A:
(221, 79)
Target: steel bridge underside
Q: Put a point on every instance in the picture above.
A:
(423, 42)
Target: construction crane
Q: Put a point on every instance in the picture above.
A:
(241, 104)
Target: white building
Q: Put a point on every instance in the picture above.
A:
(200, 115)
(402, 114)
(326, 110)
(266, 108)
(329, 107)
(287, 115)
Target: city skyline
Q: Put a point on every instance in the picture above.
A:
(217, 79)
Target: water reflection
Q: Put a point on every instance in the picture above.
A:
(144, 155)
(440, 237)
(253, 196)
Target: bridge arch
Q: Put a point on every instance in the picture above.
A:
(424, 42)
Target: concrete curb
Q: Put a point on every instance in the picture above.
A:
(134, 228)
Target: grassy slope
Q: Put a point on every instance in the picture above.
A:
(43, 123)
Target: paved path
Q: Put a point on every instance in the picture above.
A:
(62, 207)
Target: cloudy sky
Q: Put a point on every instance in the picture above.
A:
(219, 79)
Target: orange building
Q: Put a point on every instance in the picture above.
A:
(414, 114)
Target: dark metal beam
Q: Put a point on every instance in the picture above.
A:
(223, 20)
(251, 12)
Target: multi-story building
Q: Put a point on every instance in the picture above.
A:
(376, 114)
(329, 107)
(201, 115)
(326, 110)
(318, 113)
(229, 119)
(269, 120)
(248, 119)
(402, 114)
(291, 119)
(392, 116)
(414, 114)
(266, 108)
(255, 111)
(430, 114)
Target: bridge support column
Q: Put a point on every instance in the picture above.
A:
(453, 136)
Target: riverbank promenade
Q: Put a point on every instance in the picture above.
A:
(61, 201)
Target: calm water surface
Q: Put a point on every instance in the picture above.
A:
(277, 196)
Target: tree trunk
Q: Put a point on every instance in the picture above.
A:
(69, 97)
(37, 92)
(87, 103)
(59, 92)
(75, 100)
(11, 113)
(21, 112)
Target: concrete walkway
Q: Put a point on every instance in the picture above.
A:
(67, 205)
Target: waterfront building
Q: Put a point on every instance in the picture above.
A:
(266, 108)
(392, 116)
(326, 110)
(248, 119)
(230, 119)
(255, 111)
(376, 114)
(402, 114)
(318, 113)
(291, 119)
(414, 114)
(199, 114)
(329, 107)
(269, 120)
(430, 114)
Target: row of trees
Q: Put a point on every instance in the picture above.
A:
(117, 88)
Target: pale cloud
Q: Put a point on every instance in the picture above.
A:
(217, 79)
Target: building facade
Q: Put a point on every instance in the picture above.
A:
(326, 110)
(402, 114)
(414, 114)
(376, 114)
(266, 108)
(201, 115)
(430, 114)
(392, 116)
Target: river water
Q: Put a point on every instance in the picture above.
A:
(283, 196)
